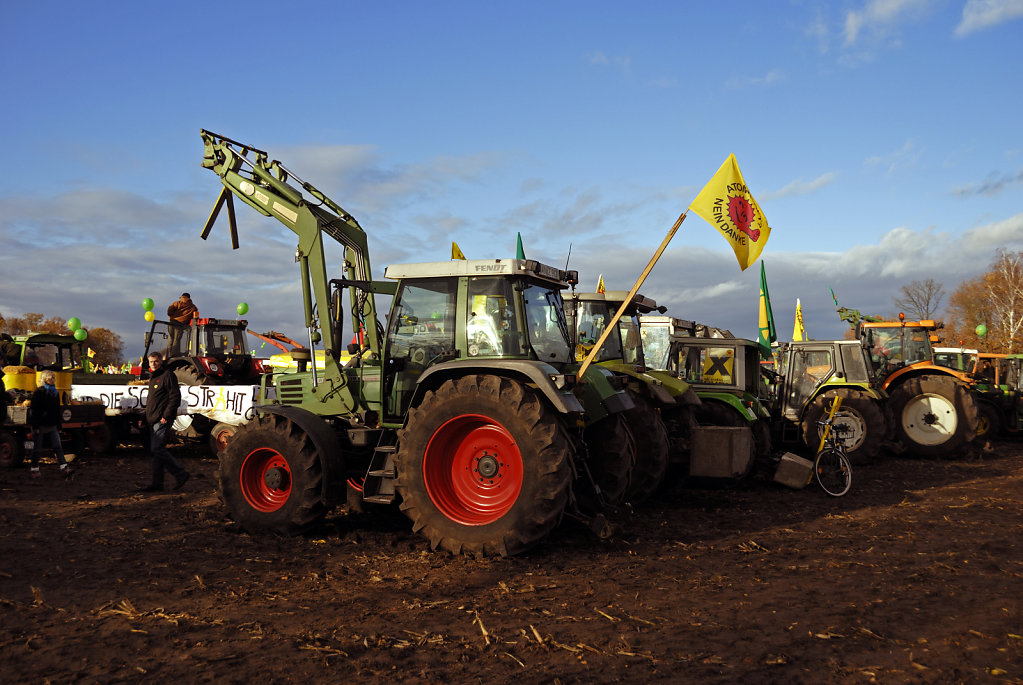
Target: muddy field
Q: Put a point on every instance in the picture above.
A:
(915, 576)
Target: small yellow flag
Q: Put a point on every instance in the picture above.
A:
(727, 205)
(455, 252)
(600, 284)
(798, 330)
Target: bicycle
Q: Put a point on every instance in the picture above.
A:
(832, 468)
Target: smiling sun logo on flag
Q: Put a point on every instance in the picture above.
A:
(741, 212)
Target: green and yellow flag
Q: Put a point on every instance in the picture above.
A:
(519, 252)
(767, 333)
(727, 205)
(455, 252)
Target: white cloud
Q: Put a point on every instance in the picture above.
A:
(982, 14)
(903, 158)
(600, 59)
(879, 18)
(801, 187)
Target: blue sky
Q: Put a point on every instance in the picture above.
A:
(882, 140)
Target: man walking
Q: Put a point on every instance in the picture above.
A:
(161, 409)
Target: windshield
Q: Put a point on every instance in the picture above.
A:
(49, 356)
(655, 346)
(632, 348)
(548, 331)
(223, 340)
(592, 319)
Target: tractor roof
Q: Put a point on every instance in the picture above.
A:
(480, 267)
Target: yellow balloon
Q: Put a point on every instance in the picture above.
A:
(149, 316)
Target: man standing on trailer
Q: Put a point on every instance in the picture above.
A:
(180, 312)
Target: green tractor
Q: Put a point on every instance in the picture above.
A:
(723, 370)
(808, 375)
(661, 420)
(83, 424)
(463, 407)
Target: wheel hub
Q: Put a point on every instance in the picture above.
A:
(276, 478)
(487, 465)
(930, 418)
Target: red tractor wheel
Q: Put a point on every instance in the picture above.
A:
(271, 478)
(473, 470)
(483, 467)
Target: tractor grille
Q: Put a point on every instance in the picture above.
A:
(290, 390)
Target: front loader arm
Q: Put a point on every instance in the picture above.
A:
(247, 174)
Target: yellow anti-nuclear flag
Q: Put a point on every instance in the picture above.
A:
(798, 329)
(727, 204)
(455, 252)
(600, 284)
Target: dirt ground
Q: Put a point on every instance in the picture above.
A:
(915, 576)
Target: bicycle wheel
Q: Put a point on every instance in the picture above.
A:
(833, 472)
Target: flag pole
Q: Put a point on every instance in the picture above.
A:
(632, 293)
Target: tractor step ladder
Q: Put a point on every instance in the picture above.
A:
(379, 485)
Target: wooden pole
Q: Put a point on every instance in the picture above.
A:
(628, 300)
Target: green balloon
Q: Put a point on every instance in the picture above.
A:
(74, 323)
(81, 334)
(148, 303)
(981, 330)
(242, 308)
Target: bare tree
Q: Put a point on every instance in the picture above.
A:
(920, 299)
(994, 299)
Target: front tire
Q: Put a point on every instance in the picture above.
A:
(935, 415)
(483, 467)
(833, 472)
(652, 449)
(11, 453)
(990, 421)
(271, 477)
(612, 456)
(220, 437)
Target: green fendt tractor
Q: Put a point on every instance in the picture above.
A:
(463, 407)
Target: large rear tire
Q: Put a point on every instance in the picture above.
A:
(271, 478)
(483, 467)
(861, 417)
(187, 375)
(935, 416)
(612, 456)
(652, 449)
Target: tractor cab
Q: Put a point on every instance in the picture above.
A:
(206, 351)
(472, 312)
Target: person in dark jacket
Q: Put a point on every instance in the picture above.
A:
(161, 410)
(44, 418)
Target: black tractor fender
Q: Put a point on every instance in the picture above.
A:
(544, 376)
(328, 448)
